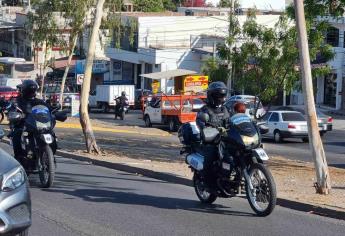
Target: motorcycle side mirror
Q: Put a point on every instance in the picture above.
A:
(2, 133)
(204, 117)
(263, 129)
(58, 106)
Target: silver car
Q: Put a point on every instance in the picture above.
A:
(15, 203)
(324, 121)
(286, 124)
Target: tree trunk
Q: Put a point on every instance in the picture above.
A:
(90, 139)
(44, 70)
(67, 69)
(229, 79)
(323, 185)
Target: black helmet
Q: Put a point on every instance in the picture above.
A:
(216, 93)
(28, 89)
(123, 93)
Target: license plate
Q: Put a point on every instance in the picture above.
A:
(48, 138)
(304, 128)
(261, 154)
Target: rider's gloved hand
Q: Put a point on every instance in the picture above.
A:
(222, 130)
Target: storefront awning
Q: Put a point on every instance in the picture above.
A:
(169, 74)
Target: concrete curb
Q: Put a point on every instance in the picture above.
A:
(337, 113)
(299, 206)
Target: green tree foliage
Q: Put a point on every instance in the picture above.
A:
(170, 5)
(266, 60)
(43, 29)
(74, 13)
(226, 51)
(148, 5)
(215, 70)
(227, 3)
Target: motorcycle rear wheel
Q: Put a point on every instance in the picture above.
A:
(200, 190)
(46, 167)
(264, 191)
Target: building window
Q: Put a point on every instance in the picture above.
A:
(330, 90)
(127, 71)
(333, 37)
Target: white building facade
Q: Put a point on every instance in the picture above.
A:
(330, 88)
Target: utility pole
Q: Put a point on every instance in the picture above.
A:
(323, 184)
(231, 15)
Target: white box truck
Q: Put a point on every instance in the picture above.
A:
(10, 82)
(104, 96)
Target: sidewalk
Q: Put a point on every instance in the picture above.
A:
(332, 111)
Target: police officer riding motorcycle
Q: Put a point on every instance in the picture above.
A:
(226, 155)
(32, 121)
(25, 102)
(218, 117)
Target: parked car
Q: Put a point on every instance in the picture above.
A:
(249, 101)
(8, 93)
(286, 124)
(325, 122)
(15, 203)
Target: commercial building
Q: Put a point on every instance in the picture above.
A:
(165, 42)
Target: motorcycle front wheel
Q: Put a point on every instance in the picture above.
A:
(46, 167)
(122, 115)
(201, 190)
(263, 197)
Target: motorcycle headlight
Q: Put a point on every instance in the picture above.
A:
(250, 140)
(41, 125)
(13, 180)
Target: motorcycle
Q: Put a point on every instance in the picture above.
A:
(121, 108)
(38, 139)
(238, 166)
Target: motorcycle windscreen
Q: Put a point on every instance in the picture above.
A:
(246, 129)
(40, 117)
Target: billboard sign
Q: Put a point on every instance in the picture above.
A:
(195, 83)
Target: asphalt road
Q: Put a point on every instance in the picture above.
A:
(334, 142)
(91, 200)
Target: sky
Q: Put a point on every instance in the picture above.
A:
(260, 4)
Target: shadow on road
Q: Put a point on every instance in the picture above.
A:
(285, 141)
(342, 166)
(97, 192)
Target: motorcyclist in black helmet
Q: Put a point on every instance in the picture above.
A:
(25, 102)
(120, 101)
(218, 118)
(217, 112)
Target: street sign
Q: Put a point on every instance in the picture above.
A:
(98, 67)
(80, 79)
(75, 104)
